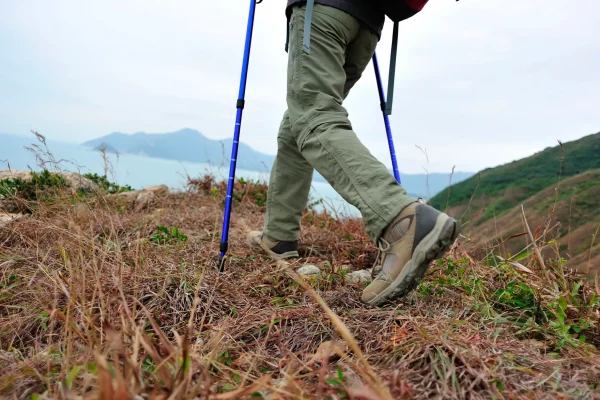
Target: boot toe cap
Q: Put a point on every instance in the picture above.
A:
(371, 292)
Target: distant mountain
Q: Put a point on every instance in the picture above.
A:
(561, 183)
(426, 186)
(191, 145)
(183, 145)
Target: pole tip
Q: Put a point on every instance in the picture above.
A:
(222, 263)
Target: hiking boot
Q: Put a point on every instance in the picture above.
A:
(417, 236)
(274, 249)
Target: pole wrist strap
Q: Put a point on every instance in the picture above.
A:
(307, 25)
(392, 76)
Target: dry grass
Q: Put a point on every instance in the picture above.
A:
(91, 307)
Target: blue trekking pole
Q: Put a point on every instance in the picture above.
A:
(386, 110)
(236, 135)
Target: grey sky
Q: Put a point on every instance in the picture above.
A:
(480, 82)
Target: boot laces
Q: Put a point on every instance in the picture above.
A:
(383, 246)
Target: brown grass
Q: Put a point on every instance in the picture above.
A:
(90, 307)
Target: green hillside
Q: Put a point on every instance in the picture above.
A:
(500, 189)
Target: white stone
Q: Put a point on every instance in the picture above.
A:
(364, 275)
(308, 270)
(5, 218)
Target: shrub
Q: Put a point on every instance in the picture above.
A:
(107, 186)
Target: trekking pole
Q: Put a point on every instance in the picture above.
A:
(236, 135)
(386, 119)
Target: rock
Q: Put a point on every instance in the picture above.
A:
(126, 198)
(362, 276)
(159, 191)
(78, 182)
(141, 199)
(308, 270)
(14, 173)
(148, 195)
(6, 218)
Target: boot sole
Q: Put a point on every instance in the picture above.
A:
(271, 254)
(431, 248)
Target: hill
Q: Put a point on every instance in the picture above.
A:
(514, 182)
(559, 189)
(427, 185)
(183, 145)
(111, 297)
(191, 145)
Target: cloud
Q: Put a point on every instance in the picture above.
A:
(479, 82)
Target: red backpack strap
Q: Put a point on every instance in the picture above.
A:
(416, 4)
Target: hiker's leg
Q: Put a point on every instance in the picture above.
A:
(320, 124)
(289, 186)
(358, 56)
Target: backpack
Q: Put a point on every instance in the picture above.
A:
(397, 11)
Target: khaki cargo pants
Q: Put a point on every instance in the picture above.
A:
(316, 134)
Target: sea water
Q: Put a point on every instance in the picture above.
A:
(139, 171)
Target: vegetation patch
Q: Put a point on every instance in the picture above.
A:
(42, 186)
(164, 235)
(107, 186)
(90, 305)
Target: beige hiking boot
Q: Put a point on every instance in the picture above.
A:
(274, 249)
(417, 236)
